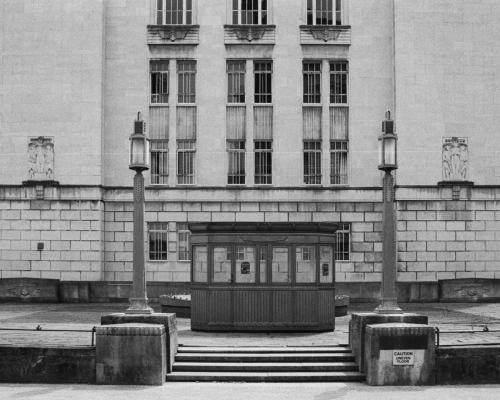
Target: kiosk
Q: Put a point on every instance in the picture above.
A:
(263, 276)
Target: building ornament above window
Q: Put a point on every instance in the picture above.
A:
(328, 34)
(173, 34)
(261, 34)
(324, 33)
(455, 157)
(41, 159)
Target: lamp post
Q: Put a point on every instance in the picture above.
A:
(388, 162)
(139, 161)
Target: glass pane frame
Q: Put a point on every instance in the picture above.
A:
(195, 257)
(263, 253)
(174, 12)
(324, 12)
(250, 12)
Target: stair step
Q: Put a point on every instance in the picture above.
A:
(265, 377)
(262, 349)
(265, 366)
(264, 357)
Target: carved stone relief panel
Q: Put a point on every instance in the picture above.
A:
(455, 159)
(41, 158)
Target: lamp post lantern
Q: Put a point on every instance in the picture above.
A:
(139, 161)
(388, 162)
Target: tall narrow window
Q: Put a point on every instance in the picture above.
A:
(339, 123)
(338, 82)
(186, 80)
(324, 12)
(174, 12)
(338, 162)
(250, 12)
(312, 81)
(158, 119)
(159, 81)
(263, 162)
(185, 161)
(342, 246)
(183, 245)
(158, 241)
(312, 162)
(159, 161)
(236, 81)
(263, 81)
(236, 168)
(186, 121)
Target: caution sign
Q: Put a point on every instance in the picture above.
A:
(403, 357)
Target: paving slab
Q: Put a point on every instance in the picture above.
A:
(446, 316)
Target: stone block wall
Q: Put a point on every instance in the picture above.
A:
(448, 240)
(70, 232)
(86, 238)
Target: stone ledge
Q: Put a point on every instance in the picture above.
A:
(325, 34)
(167, 320)
(359, 322)
(173, 34)
(249, 34)
(135, 329)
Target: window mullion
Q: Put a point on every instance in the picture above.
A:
(164, 12)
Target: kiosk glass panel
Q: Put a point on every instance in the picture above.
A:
(222, 264)
(305, 259)
(326, 264)
(263, 264)
(280, 265)
(245, 264)
(200, 264)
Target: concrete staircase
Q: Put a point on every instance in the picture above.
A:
(265, 364)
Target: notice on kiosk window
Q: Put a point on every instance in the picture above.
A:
(400, 357)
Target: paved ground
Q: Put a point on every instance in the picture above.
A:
(241, 391)
(85, 316)
(447, 316)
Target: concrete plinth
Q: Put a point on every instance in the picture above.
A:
(130, 354)
(359, 321)
(400, 354)
(167, 320)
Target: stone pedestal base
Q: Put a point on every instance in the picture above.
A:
(358, 323)
(167, 320)
(130, 354)
(400, 354)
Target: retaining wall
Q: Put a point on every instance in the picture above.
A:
(47, 364)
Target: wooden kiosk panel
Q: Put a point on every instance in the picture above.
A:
(263, 277)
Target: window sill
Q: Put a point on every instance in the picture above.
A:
(249, 34)
(173, 34)
(325, 34)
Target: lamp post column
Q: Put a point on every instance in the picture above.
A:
(139, 300)
(139, 161)
(388, 296)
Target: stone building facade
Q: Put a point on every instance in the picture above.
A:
(275, 120)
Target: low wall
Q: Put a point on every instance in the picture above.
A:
(47, 364)
(468, 365)
(53, 290)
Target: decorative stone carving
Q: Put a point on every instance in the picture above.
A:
(258, 34)
(249, 33)
(455, 159)
(163, 34)
(173, 34)
(472, 290)
(24, 291)
(324, 33)
(41, 159)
